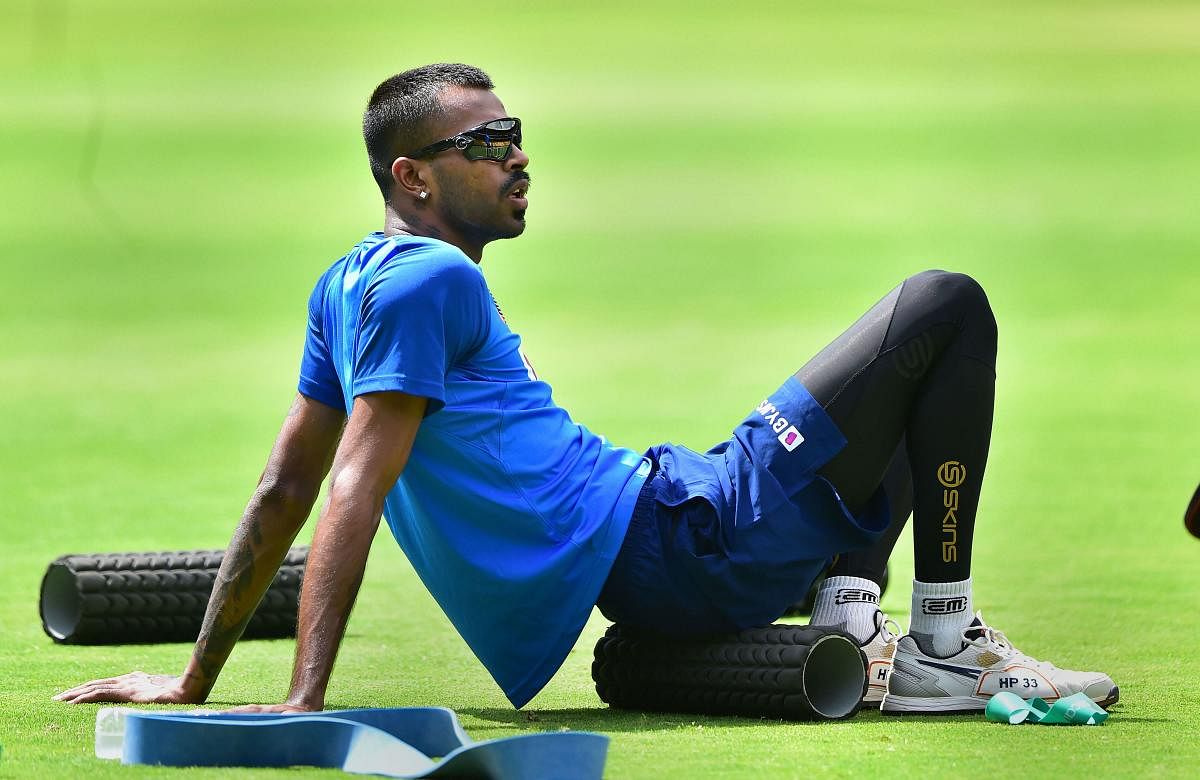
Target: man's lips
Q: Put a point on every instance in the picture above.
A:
(518, 190)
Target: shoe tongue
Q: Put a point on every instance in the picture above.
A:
(974, 630)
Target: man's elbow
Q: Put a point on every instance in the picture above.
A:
(290, 499)
(356, 492)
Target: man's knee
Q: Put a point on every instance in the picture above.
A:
(962, 299)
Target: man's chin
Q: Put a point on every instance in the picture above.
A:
(516, 226)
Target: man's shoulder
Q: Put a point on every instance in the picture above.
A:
(426, 262)
(378, 249)
(409, 260)
(417, 249)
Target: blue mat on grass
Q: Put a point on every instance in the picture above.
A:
(402, 742)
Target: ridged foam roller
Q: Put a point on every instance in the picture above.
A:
(788, 672)
(126, 598)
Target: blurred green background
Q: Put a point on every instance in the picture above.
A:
(719, 190)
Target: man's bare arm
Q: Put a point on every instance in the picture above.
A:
(285, 494)
(372, 453)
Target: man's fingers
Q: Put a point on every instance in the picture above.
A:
(97, 693)
(132, 687)
(74, 694)
(77, 696)
(115, 690)
(83, 686)
(87, 696)
(130, 677)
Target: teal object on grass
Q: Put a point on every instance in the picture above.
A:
(398, 742)
(1075, 710)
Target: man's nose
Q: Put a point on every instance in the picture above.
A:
(517, 159)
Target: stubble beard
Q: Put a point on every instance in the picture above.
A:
(463, 214)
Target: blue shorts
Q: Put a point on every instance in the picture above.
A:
(731, 538)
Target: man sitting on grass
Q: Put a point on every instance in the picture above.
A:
(519, 520)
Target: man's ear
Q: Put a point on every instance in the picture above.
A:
(409, 179)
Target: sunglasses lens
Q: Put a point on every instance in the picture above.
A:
(494, 140)
(488, 150)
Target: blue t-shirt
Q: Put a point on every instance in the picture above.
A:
(510, 512)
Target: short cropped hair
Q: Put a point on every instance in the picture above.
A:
(401, 109)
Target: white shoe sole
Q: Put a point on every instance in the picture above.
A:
(936, 705)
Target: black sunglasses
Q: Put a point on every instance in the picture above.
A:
(492, 140)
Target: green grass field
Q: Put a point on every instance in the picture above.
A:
(718, 192)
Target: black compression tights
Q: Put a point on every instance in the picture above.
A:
(911, 385)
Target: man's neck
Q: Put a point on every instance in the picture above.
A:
(414, 225)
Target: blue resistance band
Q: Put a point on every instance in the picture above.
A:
(390, 742)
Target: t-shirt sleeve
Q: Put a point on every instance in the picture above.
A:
(318, 377)
(417, 320)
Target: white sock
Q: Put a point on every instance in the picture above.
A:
(848, 604)
(940, 611)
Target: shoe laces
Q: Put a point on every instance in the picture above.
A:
(994, 639)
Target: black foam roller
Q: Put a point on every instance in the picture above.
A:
(128, 598)
(786, 672)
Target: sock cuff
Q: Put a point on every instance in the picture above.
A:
(942, 588)
(858, 583)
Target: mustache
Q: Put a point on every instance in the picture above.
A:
(512, 180)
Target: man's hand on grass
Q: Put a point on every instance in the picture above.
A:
(135, 687)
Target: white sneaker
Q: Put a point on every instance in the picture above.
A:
(878, 650)
(987, 665)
